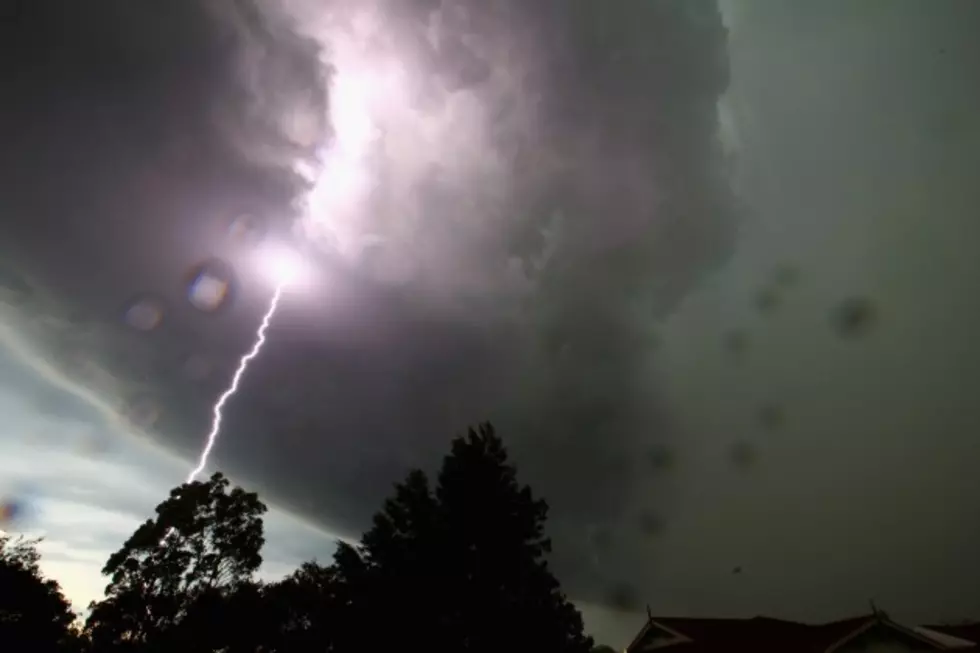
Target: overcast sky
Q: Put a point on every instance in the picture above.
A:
(84, 484)
(710, 270)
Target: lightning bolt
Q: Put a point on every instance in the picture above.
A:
(233, 387)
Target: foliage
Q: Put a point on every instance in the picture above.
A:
(34, 614)
(216, 619)
(461, 567)
(458, 566)
(304, 609)
(204, 540)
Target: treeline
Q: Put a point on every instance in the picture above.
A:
(456, 565)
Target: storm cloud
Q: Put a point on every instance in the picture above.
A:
(611, 228)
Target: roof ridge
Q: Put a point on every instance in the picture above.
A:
(827, 637)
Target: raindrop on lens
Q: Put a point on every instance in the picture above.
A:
(660, 457)
(197, 367)
(736, 342)
(786, 275)
(14, 290)
(143, 413)
(10, 512)
(211, 286)
(246, 229)
(624, 597)
(144, 313)
(650, 524)
(767, 300)
(771, 416)
(854, 317)
(743, 454)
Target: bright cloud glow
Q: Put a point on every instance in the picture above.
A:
(282, 266)
(363, 89)
(343, 181)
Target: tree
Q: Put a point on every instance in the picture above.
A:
(304, 610)
(204, 541)
(461, 567)
(34, 614)
(229, 620)
(394, 575)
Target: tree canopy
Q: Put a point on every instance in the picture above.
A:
(204, 540)
(457, 563)
(34, 614)
(461, 566)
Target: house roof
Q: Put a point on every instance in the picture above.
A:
(765, 635)
(969, 631)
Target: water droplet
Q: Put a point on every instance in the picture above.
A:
(660, 457)
(736, 342)
(854, 317)
(650, 523)
(94, 445)
(602, 539)
(14, 290)
(786, 275)
(771, 416)
(624, 597)
(211, 286)
(144, 313)
(10, 511)
(143, 412)
(16, 509)
(654, 340)
(246, 229)
(197, 367)
(767, 300)
(743, 454)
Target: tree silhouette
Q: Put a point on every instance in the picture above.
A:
(231, 620)
(34, 614)
(461, 567)
(304, 610)
(390, 570)
(205, 541)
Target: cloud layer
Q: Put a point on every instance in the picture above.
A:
(538, 197)
(656, 243)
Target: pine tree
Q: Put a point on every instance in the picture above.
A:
(463, 567)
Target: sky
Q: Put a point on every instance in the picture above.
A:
(708, 268)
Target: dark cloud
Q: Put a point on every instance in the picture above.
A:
(543, 236)
(575, 192)
(134, 139)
